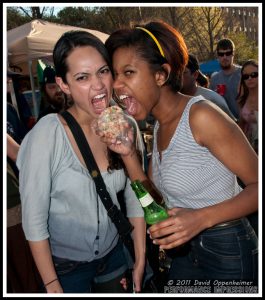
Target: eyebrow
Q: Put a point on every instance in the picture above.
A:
(87, 72)
(80, 73)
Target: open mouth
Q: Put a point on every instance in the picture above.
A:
(130, 103)
(99, 103)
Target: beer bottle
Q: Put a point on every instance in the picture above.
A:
(153, 212)
(154, 192)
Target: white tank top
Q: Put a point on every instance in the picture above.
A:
(188, 174)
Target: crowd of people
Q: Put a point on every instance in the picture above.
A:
(204, 162)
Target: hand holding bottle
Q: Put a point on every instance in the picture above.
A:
(181, 226)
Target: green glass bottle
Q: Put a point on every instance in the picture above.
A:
(153, 212)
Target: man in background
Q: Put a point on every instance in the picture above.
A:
(53, 98)
(190, 86)
(229, 75)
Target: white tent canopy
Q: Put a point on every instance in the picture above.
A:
(34, 40)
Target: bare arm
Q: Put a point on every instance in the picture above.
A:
(228, 144)
(133, 166)
(149, 172)
(42, 255)
(12, 148)
(139, 238)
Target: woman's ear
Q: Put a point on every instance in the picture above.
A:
(63, 86)
(163, 75)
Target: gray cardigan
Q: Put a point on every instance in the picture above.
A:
(59, 199)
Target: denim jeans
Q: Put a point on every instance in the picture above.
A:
(228, 252)
(79, 276)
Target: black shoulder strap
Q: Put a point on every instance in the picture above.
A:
(123, 225)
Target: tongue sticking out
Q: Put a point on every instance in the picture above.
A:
(130, 106)
(99, 105)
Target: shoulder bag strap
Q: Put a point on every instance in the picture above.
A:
(123, 225)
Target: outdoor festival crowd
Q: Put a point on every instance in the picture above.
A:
(203, 161)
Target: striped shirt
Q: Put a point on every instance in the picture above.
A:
(188, 175)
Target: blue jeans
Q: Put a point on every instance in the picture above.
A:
(80, 276)
(228, 252)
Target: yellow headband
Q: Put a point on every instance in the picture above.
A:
(155, 40)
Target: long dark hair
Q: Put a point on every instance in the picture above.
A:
(243, 89)
(63, 48)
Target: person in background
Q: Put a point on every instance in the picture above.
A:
(22, 274)
(198, 152)
(23, 109)
(16, 130)
(248, 101)
(53, 98)
(75, 244)
(12, 147)
(229, 75)
(203, 80)
(191, 87)
(14, 125)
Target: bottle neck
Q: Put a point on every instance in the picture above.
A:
(146, 200)
(154, 192)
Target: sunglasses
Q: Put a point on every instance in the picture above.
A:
(252, 75)
(227, 53)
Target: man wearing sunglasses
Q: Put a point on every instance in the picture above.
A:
(229, 75)
(191, 87)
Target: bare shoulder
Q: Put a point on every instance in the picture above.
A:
(205, 111)
(217, 132)
(208, 121)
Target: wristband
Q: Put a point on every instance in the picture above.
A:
(50, 282)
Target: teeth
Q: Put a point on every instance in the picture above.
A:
(99, 96)
(122, 97)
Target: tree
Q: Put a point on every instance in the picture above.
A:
(201, 27)
(245, 49)
(75, 16)
(19, 15)
(15, 18)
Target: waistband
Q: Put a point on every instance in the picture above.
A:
(60, 260)
(228, 224)
(185, 248)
